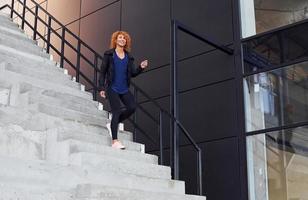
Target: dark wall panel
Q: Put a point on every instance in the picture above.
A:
(96, 29)
(205, 69)
(148, 23)
(156, 82)
(90, 6)
(195, 72)
(209, 112)
(65, 11)
(221, 169)
(211, 18)
(150, 127)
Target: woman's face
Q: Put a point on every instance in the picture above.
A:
(121, 41)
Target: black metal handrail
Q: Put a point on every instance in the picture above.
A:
(174, 92)
(4, 6)
(180, 125)
(64, 42)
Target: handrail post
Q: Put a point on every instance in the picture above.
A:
(199, 170)
(95, 78)
(161, 160)
(23, 14)
(12, 10)
(35, 23)
(48, 35)
(174, 100)
(135, 115)
(78, 61)
(62, 48)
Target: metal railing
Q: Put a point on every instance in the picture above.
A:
(64, 42)
(93, 84)
(174, 102)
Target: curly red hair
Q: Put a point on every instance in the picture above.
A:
(113, 40)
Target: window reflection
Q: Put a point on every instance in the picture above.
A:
(271, 14)
(260, 16)
(277, 97)
(276, 49)
(278, 165)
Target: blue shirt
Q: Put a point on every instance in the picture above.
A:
(119, 83)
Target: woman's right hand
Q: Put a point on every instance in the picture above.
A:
(102, 94)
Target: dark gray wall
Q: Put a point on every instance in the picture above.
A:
(206, 77)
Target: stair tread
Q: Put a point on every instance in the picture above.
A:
(43, 84)
(49, 76)
(93, 192)
(120, 165)
(78, 146)
(69, 176)
(21, 45)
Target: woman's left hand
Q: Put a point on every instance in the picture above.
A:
(144, 64)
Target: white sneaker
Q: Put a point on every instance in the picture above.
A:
(118, 145)
(108, 125)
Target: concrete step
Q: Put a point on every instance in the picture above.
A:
(50, 76)
(21, 45)
(18, 143)
(16, 33)
(7, 22)
(88, 108)
(99, 192)
(68, 114)
(11, 193)
(91, 134)
(12, 78)
(100, 138)
(119, 165)
(32, 120)
(31, 173)
(15, 58)
(133, 151)
(22, 54)
(63, 96)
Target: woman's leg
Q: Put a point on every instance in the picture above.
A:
(115, 104)
(130, 106)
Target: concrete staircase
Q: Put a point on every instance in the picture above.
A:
(54, 144)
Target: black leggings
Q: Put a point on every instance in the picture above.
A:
(119, 113)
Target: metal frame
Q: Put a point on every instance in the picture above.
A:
(174, 101)
(240, 75)
(238, 63)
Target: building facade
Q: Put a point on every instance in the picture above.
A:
(247, 111)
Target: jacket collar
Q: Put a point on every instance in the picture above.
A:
(111, 51)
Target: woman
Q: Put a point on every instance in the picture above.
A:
(116, 71)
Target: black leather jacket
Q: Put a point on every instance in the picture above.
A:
(107, 70)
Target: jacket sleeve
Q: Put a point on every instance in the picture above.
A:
(136, 70)
(102, 77)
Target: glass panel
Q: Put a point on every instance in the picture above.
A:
(275, 49)
(278, 165)
(277, 97)
(263, 15)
